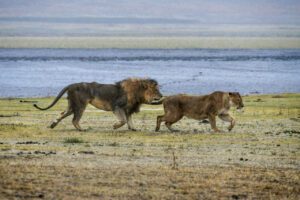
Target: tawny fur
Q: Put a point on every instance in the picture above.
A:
(199, 108)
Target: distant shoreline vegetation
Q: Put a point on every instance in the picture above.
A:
(151, 42)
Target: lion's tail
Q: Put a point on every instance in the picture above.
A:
(158, 102)
(62, 92)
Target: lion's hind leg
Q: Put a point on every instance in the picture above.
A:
(78, 111)
(228, 118)
(76, 119)
(63, 115)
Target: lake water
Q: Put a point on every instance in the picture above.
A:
(44, 72)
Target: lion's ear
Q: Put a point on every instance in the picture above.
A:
(233, 93)
(144, 85)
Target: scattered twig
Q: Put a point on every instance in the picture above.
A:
(11, 115)
(86, 152)
(174, 164)
(26, 101)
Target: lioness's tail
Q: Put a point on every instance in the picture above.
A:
(55, 100)
(158, 102)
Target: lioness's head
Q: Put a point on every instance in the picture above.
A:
(151, 90)
(236, 100)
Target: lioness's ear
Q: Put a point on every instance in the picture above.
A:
(230, 93)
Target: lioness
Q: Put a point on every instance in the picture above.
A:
(200, 107)
(123, 98)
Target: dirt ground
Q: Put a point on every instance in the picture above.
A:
(259, 159)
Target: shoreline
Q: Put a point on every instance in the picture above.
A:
(246, 95)
(114, 42)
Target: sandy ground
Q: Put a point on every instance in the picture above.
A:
(151, 42)
(259, 159)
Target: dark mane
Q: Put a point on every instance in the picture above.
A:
(149, 80)
(152, 81)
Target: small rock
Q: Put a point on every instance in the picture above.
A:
(38, 152)
(28, 142)
(86, 152)
(51, 152)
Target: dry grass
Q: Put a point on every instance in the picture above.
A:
(150, 42)
(260, 159)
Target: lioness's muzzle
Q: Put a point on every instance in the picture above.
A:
(240, 106)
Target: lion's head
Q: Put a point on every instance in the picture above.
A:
(151, 92)
(141, 90)
(236, 100)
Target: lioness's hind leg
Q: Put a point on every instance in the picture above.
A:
(228, 118)
(168, 125)
(171, 118)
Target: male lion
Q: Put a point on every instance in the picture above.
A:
(123, 98)
(200, 107)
